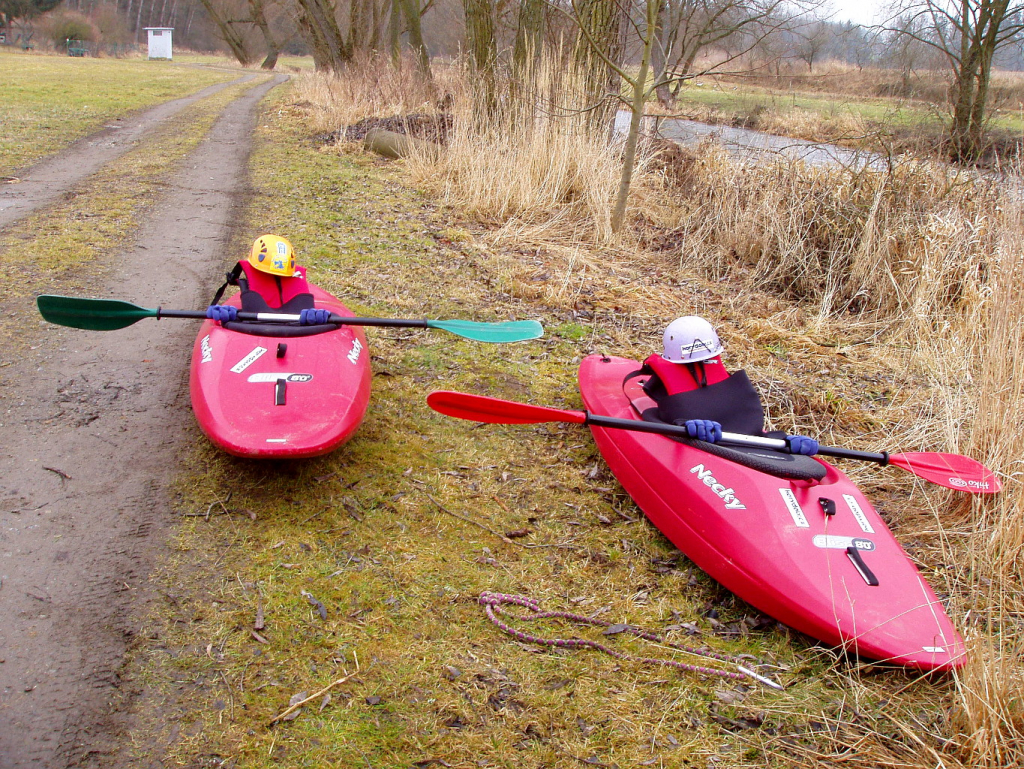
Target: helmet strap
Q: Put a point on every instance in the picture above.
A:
(699, 374)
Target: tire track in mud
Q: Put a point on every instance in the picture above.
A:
(90, 440)
(47, 180)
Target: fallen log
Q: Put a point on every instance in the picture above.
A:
(396, 145)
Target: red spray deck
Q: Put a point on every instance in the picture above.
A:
(841, 578)
(271, 396)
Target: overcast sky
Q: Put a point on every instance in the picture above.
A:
(858, 11)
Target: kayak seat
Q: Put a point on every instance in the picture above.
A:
(793, 467)
(275, 291)
(258, 286)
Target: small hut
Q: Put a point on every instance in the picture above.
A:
(159, 42)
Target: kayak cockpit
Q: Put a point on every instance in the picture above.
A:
(279, 330)
(794, 467)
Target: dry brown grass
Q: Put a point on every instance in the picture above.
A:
(909, 244)
(372, 88)
(532, 163)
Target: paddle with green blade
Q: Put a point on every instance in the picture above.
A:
(950, 470)
(112, 314)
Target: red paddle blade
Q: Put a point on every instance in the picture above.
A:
(950, 470)
(479, 408)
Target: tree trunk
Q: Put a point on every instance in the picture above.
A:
(319, 27)
(235, 41)
(358, 26)
(259, 18)
(413, 22)
(638, 100)
(659, 59)
(482, 48)
(395, 33)
(599, 22)
(138, 21)
(188, 18)
(981, 29)
(527, 50)
(376, 26)
(529, 43)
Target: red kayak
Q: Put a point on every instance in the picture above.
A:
(789, 535)
(280, 390)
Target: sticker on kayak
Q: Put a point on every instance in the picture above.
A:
(933, 649)
(357, 348)
(248, 360)
(269, 377)
(830, 542)
(960, 483)
(727, 495)
(862, 519)
(794, 508)
(207, 351)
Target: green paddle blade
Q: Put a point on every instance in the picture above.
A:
(91, 314)
(507, 331)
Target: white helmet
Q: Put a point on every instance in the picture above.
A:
(690, 339)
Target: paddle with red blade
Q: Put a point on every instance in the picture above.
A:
(950, 470)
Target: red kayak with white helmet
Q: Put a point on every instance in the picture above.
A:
(276, 389)
(786, 532)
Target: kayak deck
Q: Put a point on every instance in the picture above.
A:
(813, 554)
(269, 396)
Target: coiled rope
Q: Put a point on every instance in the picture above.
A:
(494, 603)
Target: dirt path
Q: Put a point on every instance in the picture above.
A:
(49, 179)
(90, 440)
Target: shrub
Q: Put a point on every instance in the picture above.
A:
(71, 26)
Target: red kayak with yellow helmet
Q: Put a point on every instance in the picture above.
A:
(278, 389)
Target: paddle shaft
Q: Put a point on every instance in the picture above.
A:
(950, 470)
(277, 317)
(737, 439)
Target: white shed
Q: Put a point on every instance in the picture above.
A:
(159, 42)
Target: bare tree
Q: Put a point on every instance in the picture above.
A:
(814, 39)
(24, 11)
(412, 12)
(529, 40)
(968, 34)
(687, 29)
(905, 53)
(601, 28)
(259, 20)
(605, 52)
(482, 47)
(235, 38)
(857, 45)
(318, 23)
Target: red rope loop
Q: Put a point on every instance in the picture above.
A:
(494, 603)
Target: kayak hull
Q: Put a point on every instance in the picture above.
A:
(770, 540)
(280, 397)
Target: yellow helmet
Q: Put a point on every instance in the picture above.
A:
(273, 254)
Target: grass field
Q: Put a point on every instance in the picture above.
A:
(739, 99)
(285, 62)
(50, 101)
